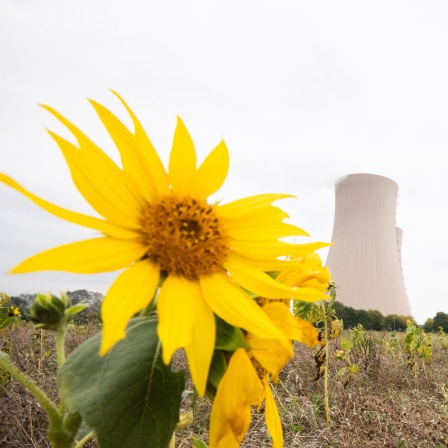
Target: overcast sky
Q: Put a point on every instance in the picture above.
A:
(302, 92)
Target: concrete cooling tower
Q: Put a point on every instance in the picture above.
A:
(365, 259)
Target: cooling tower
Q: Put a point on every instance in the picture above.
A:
(365, 259)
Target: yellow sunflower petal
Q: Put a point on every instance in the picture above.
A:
(200, 349)
(261, 215)
(105, 227)
(180, 307)
(246, 206)
(304, 276)
(131, 292)
(264, 216)
(270, 353)
(265, 232)
(212, 172)
(140, 160)
(254, 249)
(239, 389)
(298, 329)
(237, 308)
(262, 284)
(159, 176)
(306, 333)
(86, 257)
(310, 273)
(272, 418)
(266, 264)
(98, 179)
(182, 165)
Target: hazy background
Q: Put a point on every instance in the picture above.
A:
(302, 92)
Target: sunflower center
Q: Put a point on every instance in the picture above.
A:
(185, 236)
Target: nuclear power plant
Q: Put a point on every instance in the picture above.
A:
(365, 259)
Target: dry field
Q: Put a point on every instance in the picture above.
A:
(382, 406)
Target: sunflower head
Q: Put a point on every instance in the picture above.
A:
(154, 222)
(185, 236)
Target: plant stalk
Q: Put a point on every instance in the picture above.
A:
(327, 357)
(60, 344)
(60, 354)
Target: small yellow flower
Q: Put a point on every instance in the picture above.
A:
(158, 223)
(245, 382)
(13, 311)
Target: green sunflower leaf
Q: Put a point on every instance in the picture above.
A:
(75, 309)
(228, 337)
(82, 432)
(5, 320)
(346, 344)
(128, 397)
(218, 367)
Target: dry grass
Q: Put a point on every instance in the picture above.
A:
(381, 407)
(23, 423)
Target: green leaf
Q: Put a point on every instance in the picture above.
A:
(75, 309)
(307, 310)
(82, 432)
(228, 337)
(4, 357)
(197, 443)
(5, 318)
(128, 397)
(346, 344)
(332, 291)
(218, 367)
(5, 321)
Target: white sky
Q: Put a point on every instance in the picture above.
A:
(302, 92)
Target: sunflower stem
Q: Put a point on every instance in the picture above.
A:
(60, 353)
(194, 402)
(60, 344)
(149, 308)
(327, 356)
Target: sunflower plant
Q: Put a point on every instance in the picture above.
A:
(8, 314)
(189, 273)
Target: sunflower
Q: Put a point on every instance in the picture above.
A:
(311, 274)
(246, 380)
(157, 224)
(13, 311)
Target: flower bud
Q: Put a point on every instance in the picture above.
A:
(48, 311)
